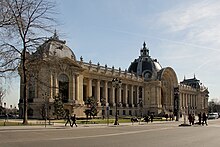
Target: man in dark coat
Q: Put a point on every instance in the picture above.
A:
(200, 118)
(73, 118)
(68, 119)
(204, 119)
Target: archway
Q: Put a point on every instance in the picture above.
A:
(168, 79)
(64, 87)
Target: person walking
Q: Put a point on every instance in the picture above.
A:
(166, 116)
(68, 119)
(190, 119)
(193, 119)
(204, 119)
(151, 117)
(73, 118)
(200, 118)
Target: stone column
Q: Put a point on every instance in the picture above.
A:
(89, 87)
(188, 100)
(193, 101)
(126, 94)
(119, 95)
(132, 96)
(98, 92)
(56, 85)
(73, 87)
(106, 92)
(137, 94)
(51, 85)
(77, 88)
(181, 100)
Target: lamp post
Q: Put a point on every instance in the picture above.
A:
(117, 84)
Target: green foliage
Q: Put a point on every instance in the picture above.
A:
(92, 104)
(58, 107)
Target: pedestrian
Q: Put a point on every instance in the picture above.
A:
(190, 119)
(204, 119)
(166, 116)
(200, 118)
(151, 117)
(73, 118)
(193, 119)
(68, 119)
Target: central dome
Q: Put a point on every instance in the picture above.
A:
(145, 66)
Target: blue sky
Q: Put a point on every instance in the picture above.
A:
(184, 35)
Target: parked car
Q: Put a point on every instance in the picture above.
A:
(213, 116)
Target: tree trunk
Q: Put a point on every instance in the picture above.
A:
(25, 121)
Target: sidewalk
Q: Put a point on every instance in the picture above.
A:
(62, 125)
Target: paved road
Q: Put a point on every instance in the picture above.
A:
(149, 135)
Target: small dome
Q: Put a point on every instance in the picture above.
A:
(55, 47)
(59, 49)
(145, 66)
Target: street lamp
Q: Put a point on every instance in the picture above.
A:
(117, 84)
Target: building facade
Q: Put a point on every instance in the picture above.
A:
(146, 86)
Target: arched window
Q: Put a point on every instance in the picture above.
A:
(64, 87)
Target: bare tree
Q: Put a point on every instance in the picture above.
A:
(23, 25)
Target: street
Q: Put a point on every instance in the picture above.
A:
(166, 134)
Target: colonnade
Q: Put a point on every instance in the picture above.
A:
(128, 95)
(189, 101)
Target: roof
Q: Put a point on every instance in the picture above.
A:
(193, 82)
(55, 47)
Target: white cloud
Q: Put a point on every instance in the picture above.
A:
(195, 27)
(187, 15)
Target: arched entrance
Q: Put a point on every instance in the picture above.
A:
(64, 87)
(168, 79)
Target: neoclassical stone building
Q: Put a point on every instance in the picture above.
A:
(146, 86)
